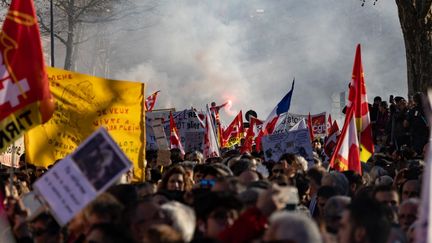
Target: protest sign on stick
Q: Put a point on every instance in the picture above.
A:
(80, 177)
(295, 142)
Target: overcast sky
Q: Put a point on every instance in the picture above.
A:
(249, 51)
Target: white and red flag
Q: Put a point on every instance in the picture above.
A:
(25, 98)
(151, 101)
(211, 148)
(346, 155)
(234, 132)
(331, 140)
(357, 99)
(251, 133)
(174, 136)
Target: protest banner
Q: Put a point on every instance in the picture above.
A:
(190, 130)
(80, 177)
(287, 120)
(295, 142)
(83, 104)
(12, 155)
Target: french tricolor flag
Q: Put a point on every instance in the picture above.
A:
(282, 107)
(271, 121)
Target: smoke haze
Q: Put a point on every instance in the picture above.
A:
(200, 51)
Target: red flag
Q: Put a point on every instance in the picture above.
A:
(252, 131)
(329, 124)
(151, 101)
(234, 132)
(357, 99)
(309, 122)
(346, 155)
(25, 98)
(331, 139)
(174, 137)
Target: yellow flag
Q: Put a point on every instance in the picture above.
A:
(83, 104)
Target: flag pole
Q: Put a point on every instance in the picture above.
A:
(52, 31)
(12, 169)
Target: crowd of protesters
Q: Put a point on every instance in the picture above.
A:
(243, 198)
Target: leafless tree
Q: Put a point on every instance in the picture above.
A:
(72, 16)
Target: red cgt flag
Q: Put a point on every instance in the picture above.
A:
(358, 100)
(25, 98)
(234, 132)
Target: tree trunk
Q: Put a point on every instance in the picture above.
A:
(416, 22)
(70, 36)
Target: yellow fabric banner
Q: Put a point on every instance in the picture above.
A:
(83, 104)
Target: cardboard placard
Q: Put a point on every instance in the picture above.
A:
(80, 177)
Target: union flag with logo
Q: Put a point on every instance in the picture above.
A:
(234, 132)
(25, 98)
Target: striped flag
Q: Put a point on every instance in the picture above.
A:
(271, 121)
(357, 99)
(346, 155)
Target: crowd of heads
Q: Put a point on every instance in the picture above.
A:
(244, 198)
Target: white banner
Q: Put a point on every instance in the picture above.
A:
(287, 120)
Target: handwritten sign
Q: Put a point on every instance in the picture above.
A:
(190, 129)
(295, 142)
(11, 156)
(83, 104)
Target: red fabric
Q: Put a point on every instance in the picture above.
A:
(174, 136)
(234, 131)
(358, 100)
(151, 101)
(309, 122)
(250, 225)
(22, 62)
(251, 133)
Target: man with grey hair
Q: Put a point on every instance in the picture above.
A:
(407, 213)
(336, 180)
(301, 228)
(181, 218)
